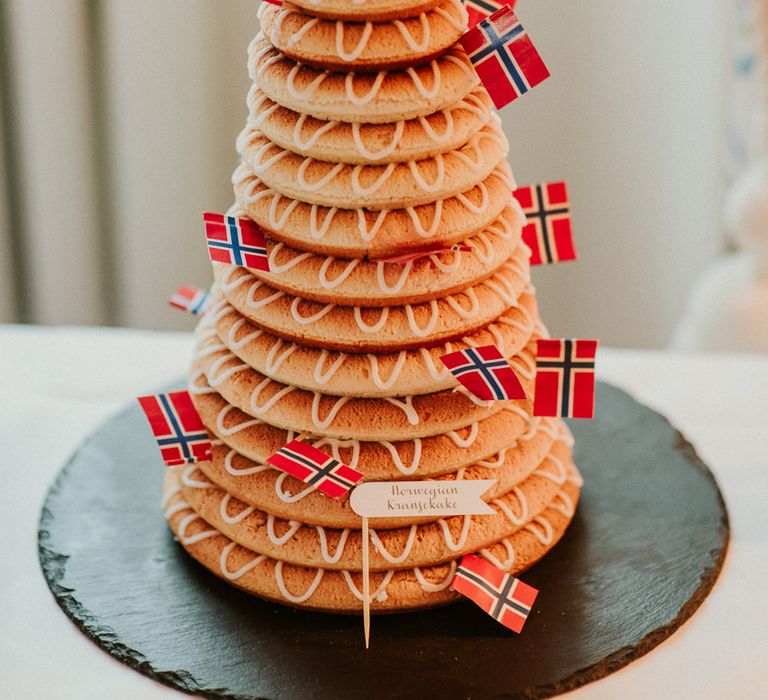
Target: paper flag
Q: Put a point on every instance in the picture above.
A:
(177, 427)
(315, 467)
(565, 378)
(485, 372)
(425, 252)
(409, 499)
(504, 57)
(548, 230)
(505, 598)
(191, 299)
(278, 3)
(236, 241)
(478, 10)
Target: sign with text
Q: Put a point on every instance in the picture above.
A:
(408, 499)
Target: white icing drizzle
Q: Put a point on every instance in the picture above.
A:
(302, 597)
(467, 441)
(346, 272)
(355, 53)
(419, 84)
(234, 575)
(541, 529)
(318, 232)
(376, 327)
(292, 529)
(175, 508)
(436, 587)
(397, 460)
(302, 181)
(251, 298)
(462, 541)
(290, 83)
(260, 410)
(325, 552)
(557, 478)
(384, 151)
(233, 519)
(425, 34)
(215, 376)
(233, 343)
(314, 137)
(377, 183)
(306, 320)
(406, 406)
(502, 505)
(565, 506)
(505, 564)
(198, 537)
(423, 331)
(187, 480)
(169, 494)
(323, 377)
(377, 380)
(405, 271)
(380, 593)
(233, 471)
(349, 86)
(474, 303)
(392, 559)
(286, 497)
(244, 425)
(323, 423)
(276, 268)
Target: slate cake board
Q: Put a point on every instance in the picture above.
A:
(643, 551)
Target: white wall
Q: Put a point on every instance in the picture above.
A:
(176, 83)
(632, 118)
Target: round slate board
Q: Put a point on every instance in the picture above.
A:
(644, 549)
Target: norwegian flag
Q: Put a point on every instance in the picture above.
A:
(313, 466)
(505, 598)
(478, 10)
(548, 230)
(426, 252)
(485, 372)
(236, 241)
(565, 378)
(504, 57)
(191, 299)
(177, 427)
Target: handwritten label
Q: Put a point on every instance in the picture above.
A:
(408, 499)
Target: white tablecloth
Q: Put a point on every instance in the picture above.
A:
(57, 385)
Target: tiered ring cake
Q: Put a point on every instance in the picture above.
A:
(369, 135)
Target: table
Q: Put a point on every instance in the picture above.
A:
(58, 384)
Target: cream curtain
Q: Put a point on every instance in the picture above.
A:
(119, 118)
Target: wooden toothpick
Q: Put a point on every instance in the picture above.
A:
(366, 586)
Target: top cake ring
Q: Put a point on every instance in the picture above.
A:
(375, 10)
(340, 44)
(373, 98)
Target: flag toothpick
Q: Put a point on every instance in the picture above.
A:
(565, 378)
(312, 466)
(504, 57)
(366, 584)
(484, 372)
(236, 241)
(548, 230)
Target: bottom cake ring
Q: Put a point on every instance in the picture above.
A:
(341, 591)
